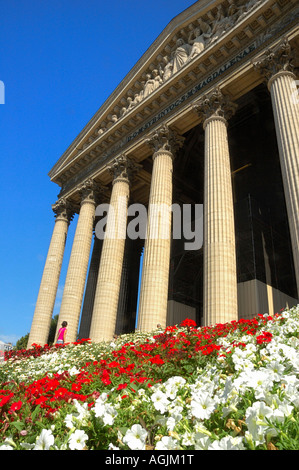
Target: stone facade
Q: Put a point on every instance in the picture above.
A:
(208, 116)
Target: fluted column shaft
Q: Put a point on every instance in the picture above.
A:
(220, 278)
(48, 288)
(109, 276)
(78, 264)
(286, 116)
(220, 281)
(276, 65)
(155, 271)
(90, 290)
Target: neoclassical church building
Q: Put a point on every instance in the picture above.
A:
(207, 118)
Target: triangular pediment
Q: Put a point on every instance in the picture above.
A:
(129, 87)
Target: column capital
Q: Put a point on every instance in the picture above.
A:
(166, 140)
(63, 210)
(90, 191)
(123, 169)
(278, 60)
(215, 105)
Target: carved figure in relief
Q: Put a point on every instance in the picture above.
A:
(198, 43)
(198, 37)
(157, 78)
(152, 83)
(149, 85)
(205, 27)
(127, 108)
(130, 103)
(180, 55)
(221, 23)
(167, 71)
(137, 98)
(101, 130)
(243, 9)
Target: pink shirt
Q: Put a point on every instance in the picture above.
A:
(61, 333)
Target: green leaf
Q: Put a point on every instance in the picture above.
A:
(18, 424)
(35, 412)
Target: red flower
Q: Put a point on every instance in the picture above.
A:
(4, 399)
(41, 400)
(15, 407)
(188, 322)
(61, 392)
(76, 387)
(122, 386)
(265, 337)
(156, 360)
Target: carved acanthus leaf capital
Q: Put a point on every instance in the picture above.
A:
(277, 59)
(165, 138)
(89, 191)
(123, 168)
(214, 105)
(63, 210)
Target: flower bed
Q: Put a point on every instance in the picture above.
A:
(227, 386)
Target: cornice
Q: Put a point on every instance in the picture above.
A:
(90, 148)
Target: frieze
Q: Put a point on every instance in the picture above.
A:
(196, 89)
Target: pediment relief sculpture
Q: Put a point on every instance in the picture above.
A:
(185, 50)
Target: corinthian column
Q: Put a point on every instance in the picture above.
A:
(220, 279)
(48, 288)
(109, 276)
(78, 263)
(155, 271)
(90, 290)
(276, 66)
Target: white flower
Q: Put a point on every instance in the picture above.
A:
(228, 443)
(109, 415)
(45, 440)
(172, 385)
(112, 447)
(260, 381)
(135, 437)
(203, 405)
(74, 371)
(68, 420)
(77, 440)
(167, 443)
(83, 412)
(160, 401)
(284, 410)
(99, 406)
(276, 368)
(175, 417)
(187, 439)
(80, 417)
(26, 445)
(201, 442)
(256, 419)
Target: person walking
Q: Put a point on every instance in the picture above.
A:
(62, 333)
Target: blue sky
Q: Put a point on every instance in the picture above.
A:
(60, 60)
